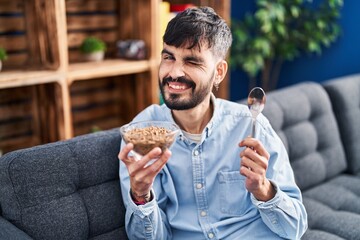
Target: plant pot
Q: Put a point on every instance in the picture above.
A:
(0, 65)
(94, 57)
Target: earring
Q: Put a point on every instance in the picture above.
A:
(216, 85)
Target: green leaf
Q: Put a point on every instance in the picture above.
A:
(313, 46)
(321, 24)
(280, 28)
(279, 12)
(295, 11)
(3, 54)
(262, 15)
(263, 45)
(266, 27)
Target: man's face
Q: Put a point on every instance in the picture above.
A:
(186, 76)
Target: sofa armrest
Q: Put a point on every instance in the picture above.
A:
(10, 231)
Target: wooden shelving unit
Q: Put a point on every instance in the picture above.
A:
(47, 93)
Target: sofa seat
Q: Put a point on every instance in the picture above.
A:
(334, 208)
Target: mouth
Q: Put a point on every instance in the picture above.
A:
(177, 87)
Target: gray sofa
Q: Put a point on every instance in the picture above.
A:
(320, 127)
(70, 189)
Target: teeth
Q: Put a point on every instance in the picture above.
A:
(178, 87)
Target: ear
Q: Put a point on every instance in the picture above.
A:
(221, 70)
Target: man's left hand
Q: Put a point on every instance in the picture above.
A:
(254, 163)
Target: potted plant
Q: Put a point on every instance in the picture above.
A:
(3, 56)
(279, 31)
(93, 49)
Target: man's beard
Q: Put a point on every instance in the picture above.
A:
(174, 101)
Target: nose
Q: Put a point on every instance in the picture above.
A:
(176, 70)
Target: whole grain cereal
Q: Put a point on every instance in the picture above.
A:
(147, 138)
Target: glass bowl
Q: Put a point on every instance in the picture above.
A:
(146, 135)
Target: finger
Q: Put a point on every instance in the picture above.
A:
(150, 156)
(245, 171)
(251, 165)
(256, 145)
(160, 163)
(123, 154)
(247, 162)
(144, 171)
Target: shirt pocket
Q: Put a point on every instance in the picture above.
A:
(234, 197)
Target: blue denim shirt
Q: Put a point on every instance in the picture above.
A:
(200, 193)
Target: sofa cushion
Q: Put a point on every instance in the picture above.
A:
(303, 118)
(9, 231)
(69, 188)
(327, 223)
(341, 193)
(345, 97)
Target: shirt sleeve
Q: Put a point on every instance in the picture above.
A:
(285, 214)
(146, 221)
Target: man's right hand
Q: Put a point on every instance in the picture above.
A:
(142, 175)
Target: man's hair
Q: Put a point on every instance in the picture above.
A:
(195, 27)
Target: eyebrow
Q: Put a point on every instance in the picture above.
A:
(165, 51)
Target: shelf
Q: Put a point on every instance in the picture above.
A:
(107, 68)
(9, 79)
(47, 92)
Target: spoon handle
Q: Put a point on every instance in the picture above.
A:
(253, 127)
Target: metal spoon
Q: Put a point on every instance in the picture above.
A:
(256, 102)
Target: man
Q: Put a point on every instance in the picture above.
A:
(216, 183)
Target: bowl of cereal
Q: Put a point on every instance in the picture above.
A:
(146, 135)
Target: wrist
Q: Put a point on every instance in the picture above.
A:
(267, 193)
(140, 199)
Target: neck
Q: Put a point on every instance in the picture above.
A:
(194, 120)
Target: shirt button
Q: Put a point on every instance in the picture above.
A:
(199, 185)
(203, 213)
(211, 235)
(196, 152)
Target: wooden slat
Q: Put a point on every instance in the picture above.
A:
(18, 143)
(22, 78)
(90, 5)
(13, 42)
(102, 124)
(16, 94)
(125, 97)
(16, 60)
(11, 111)
(91, 84)
(107, 68)
(92, 98)
(86, 22)
(76, 38)
(94, 113)
(16, 128)
(48, 46)
(12, 24)
(16, 119)
(45, 113)
(11, 6)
